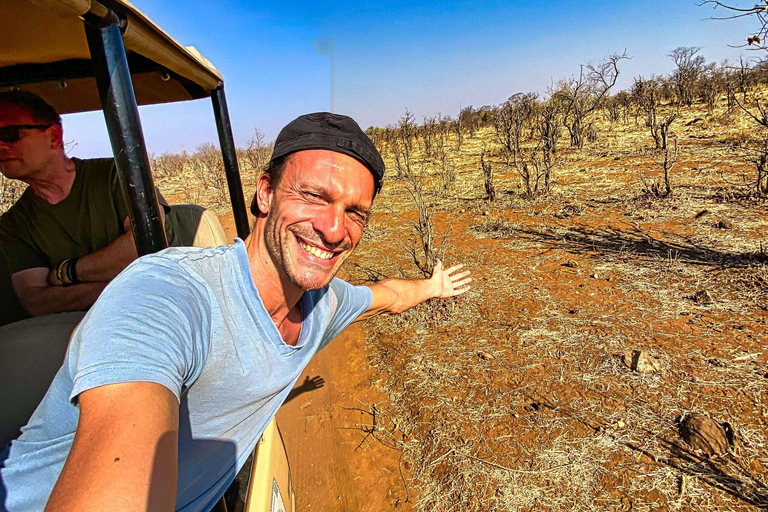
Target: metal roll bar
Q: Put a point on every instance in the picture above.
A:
(103, 29)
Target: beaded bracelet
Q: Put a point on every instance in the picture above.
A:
(66, 272)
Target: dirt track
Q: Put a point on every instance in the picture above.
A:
(334, 465)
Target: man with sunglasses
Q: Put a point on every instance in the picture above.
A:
(68, 235)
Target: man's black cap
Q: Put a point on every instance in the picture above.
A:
(334, 132)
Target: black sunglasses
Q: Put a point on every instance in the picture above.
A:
(11, 133)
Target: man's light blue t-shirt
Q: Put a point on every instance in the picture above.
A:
(190, 319)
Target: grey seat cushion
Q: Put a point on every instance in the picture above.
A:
(31, 352)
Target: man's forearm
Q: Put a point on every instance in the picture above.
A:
(398, 295)
(393, 296)
(47, 300)
(106, 263)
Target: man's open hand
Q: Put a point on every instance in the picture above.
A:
(450, 282)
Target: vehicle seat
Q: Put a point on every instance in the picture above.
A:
(11, 310)
(195, 226)
(24, 380)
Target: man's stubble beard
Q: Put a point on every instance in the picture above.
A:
(280, 255)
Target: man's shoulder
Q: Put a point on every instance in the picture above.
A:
(100, 166)
(197, 263)
(89, 163)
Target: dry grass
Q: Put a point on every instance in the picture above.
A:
(516, 398)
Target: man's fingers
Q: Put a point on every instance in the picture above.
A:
(463, 282)
(460, 276)
(460, 291)
(455, 268)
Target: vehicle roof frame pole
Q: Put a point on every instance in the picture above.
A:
(118, 100)
(229, 155)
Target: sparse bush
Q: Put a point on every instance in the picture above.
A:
(658, 189)
(169, 165)
(208, 167)
(10, 192)
(485, 165)
(257, 152)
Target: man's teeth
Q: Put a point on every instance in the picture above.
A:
(314, 251)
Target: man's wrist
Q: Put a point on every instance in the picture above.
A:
(66, 272)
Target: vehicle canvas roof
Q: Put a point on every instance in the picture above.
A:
(43, 49)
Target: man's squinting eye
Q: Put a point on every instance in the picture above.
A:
(357, 216)
(313, 196)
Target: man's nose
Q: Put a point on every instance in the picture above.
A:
(330, 224)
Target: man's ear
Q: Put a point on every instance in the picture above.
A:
(57, 136)
(264, 194)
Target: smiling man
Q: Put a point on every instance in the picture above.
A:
(175, 372)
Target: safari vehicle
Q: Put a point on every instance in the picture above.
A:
(85, 55)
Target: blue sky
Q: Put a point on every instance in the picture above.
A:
(430, 57)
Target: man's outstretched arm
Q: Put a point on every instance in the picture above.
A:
(124, 456)
(392, 296)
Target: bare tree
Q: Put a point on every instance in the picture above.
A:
(689, 67)
(756, 10)
(208, 167)
(402, 144)
(548, 125)
(711, 85)
(257, 151)
(582, 96)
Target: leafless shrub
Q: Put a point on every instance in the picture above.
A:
(757, 155)
(485, 165)
(535, 171)
(169, 165)
(661, 189)
(208, 167)
(548, 126)
(421, 246)
(442, 159)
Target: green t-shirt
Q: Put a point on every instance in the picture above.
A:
(35, 233)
